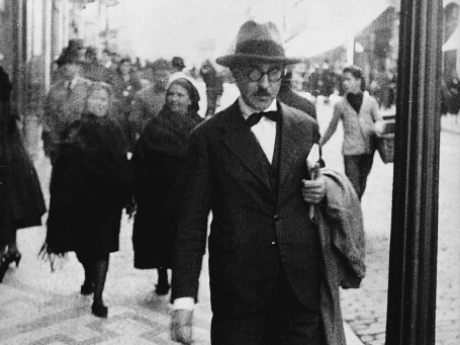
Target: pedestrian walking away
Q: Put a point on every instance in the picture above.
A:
(159, 162)
(21, 199)
(214, 86)
(269, 261)
(91, 182)
(362, 121)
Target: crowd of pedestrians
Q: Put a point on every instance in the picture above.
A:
(124, 138)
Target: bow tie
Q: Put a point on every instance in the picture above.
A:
(255, 118)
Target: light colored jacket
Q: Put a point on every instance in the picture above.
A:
(358, 128)
(341, 234)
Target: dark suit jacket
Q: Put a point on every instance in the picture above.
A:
(229, 174)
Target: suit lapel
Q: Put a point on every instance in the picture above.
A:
(244, 145)
(292, 136)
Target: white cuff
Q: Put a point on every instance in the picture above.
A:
(184, 303)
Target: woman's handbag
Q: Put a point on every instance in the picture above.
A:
(385, 147)
(385, 140)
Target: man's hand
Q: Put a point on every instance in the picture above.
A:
(181, 326)
(313, 191)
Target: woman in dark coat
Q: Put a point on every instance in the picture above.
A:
(159, 162)
(90, 184)
(21, 199)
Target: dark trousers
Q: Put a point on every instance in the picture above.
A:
(284, 322)
(357, 168)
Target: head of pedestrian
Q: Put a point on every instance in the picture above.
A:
(69, 63)
(353, 80)
(258, 64)
(178, 63)
(182, 97)
(91, 55)
(161, 79)
(124, 66)
(99, 99)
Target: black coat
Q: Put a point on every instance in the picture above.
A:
(91, 182)
(251, 230)
(21, 200)
(159, 162)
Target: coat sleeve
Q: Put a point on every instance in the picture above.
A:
(192, 230)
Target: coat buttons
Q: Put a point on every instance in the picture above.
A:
(276, 218)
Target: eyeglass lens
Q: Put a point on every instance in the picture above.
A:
(273, 75)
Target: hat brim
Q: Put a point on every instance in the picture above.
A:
(240, 59)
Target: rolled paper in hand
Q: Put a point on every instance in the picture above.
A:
(313, 166)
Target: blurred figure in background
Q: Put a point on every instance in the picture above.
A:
(214, 87)
(92, 69)
(380, 87)
(159, 162)
(126, 84)
(291, 98)
(314, 82)
(361, 120)
(328, 81)
(21, 199)
(91, 182)
(177, 69)
(149, 101)
(65, 100)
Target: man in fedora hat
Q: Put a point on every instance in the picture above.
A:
(65, 100)
(248, 166)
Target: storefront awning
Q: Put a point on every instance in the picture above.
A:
(453, 42)
(333, 31)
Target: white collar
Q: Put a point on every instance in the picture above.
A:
(247, 110)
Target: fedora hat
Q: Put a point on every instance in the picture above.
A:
(177, 61)
(259, 42)
(69, 55)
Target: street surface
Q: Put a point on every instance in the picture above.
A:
(38, 307)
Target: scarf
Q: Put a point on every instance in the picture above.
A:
(355, 100)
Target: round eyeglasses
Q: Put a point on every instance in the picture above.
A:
(273, 74)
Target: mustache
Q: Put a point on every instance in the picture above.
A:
(262, 93)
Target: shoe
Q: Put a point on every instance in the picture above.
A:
(87, 289)
(99, 310)
(13, 257)
(3, 267)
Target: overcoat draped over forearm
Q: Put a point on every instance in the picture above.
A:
(341, 234)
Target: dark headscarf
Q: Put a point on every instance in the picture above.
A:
(191, 90)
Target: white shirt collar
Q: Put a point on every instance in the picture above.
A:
(247, 110)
